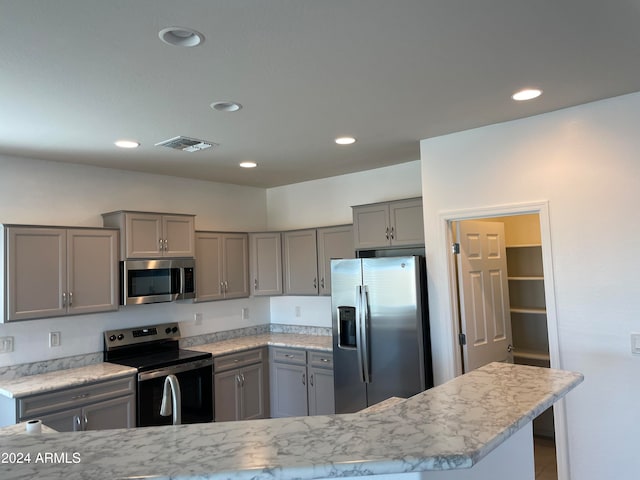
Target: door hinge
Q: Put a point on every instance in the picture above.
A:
(455, 248)
(462, 339)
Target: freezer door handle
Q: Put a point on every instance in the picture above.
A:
(365, 334)
(359, 332)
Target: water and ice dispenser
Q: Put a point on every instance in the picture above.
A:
(347, 327)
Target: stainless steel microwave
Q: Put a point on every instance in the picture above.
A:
(154, 281)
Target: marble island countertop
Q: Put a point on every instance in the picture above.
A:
(452, 426)
(73, 377)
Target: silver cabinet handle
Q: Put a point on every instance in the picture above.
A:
(255, 284)
(386, 232)
(304, 378)
(238, 379)
(76, 421)
(64, 299)
(242, 376)
(393, 233)
(288, 355)
(322, 283)
(311, 380)
(325, 360)
(86, 422)
(161, 242)
(166, 244)
(221, 287)
(70, 299)
(78, 397)
(226, 286)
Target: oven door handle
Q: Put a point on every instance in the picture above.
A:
(173, 369)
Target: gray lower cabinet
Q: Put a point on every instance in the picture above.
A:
(96, 406)
(301, 382)
(240, 386)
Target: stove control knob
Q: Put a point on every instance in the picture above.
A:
(112, 338)
(120, 337)
(174, 329)
(167, 330)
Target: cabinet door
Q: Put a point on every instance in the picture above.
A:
(253, 395)
(115, 413)
(371, 228)
(208, 266)
(300, 262)
(407, 223)
(289, 390)
(266, 263)
(226, 395)
(321, 399)
(179, 235)
(143, 235)
(333, 242)
(92, 269)
(236, 265)
(64, 421)
(37, 273)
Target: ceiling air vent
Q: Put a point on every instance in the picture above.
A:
(187, 144)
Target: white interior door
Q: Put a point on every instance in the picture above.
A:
(484, 294)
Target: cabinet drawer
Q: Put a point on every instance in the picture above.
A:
(50, 402)
(320, 359)
(236, 360)
(289, 355)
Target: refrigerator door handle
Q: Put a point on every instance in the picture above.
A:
(365, 334)
(359, 332)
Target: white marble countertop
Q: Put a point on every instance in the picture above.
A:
(290, 340)
(451, 426)
(72, 377)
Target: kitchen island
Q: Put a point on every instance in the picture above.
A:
(447, 432)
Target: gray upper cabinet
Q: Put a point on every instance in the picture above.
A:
(307, 258)
(398, 223)
(53, 271)
(333, 243)
(222, 265)
(300, 262)
(152, 235)
(266, 263)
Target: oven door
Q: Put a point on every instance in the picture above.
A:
(196, 387)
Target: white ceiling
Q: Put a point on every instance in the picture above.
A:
(75, 75)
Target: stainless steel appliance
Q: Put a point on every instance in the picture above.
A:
(153, 281)
(381, 345)
(155, 352)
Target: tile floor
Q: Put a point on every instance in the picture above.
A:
(545, 458)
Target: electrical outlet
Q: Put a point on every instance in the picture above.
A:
(245, 313)
(6, 344)
(198, 318)
(54, 339)
(298, 311)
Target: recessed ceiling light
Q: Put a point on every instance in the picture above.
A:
(345, 140)
(127, 144)
(526, 94)
(181, 37)
(226, 106)
(248, 164)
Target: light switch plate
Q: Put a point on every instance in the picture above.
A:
(635, 343)
(54, 339)
(245, 313)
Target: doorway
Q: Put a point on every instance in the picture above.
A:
(534, 322)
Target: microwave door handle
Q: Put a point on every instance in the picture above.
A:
(181, 289)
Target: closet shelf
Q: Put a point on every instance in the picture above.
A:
(535, 311)
(531, 355)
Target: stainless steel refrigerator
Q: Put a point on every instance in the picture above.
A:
(381, 344)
